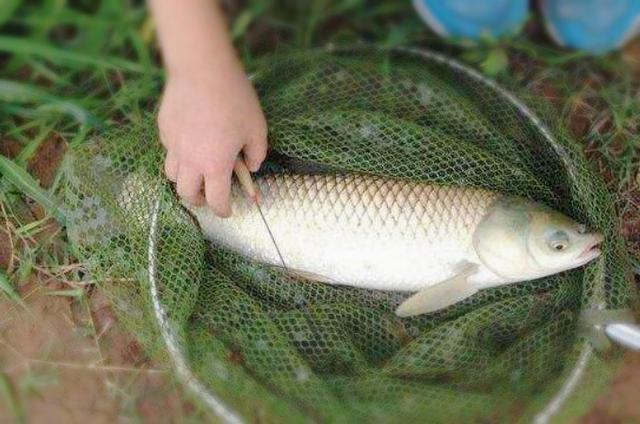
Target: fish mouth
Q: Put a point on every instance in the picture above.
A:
(592, 250)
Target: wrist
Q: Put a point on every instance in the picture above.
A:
(207, 72)
(194, 38)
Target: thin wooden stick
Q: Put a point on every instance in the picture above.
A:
(246, 182)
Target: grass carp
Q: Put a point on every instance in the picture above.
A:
(443, 242)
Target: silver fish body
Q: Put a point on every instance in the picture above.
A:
(356, 230)
(444, 242)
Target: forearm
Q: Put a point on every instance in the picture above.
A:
(193, 37)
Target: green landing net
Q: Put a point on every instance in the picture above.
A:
(256, 345)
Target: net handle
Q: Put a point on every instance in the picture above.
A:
(625, 334)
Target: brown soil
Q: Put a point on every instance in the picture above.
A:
(68, 361)
(621, 403)
(6, 249)
(47, 158)
(631, 55)
(9, 147)
(65, 358)
(631, 218)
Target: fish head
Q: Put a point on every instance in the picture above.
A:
(522, 240)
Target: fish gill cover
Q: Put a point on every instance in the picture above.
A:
(275, 348)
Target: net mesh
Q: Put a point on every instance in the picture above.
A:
(277, 349)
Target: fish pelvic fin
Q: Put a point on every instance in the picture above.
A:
(442, 295)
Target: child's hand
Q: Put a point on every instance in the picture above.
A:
(205, 121)
(209, 111)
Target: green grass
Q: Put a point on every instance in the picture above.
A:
(6, 286)
(21, 180)
(73, 68)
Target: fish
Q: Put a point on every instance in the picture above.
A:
(444, 243)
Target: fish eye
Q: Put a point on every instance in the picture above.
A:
(559, 246)
(559, 241)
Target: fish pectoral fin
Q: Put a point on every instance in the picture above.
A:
(440, 296)
(306, 275)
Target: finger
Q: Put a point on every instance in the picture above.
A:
(171, 167)
(217, 188)
(254, 153)
(189, 185)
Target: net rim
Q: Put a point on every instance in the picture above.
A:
(227, 414)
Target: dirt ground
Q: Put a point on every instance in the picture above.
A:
(66, 360)
(621, 402)
(63, 356)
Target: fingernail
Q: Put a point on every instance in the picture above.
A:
(225, 213)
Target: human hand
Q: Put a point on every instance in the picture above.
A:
(205, 122)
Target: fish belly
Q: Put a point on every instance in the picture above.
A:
(354, 230)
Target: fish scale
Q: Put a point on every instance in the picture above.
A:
(356, 230)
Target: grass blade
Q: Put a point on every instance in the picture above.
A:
(7, 288)
(33, 144)
(75, 293)
(15, 92)
(7, 9)
(21, 46)
(29, 186)
(8, 393)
